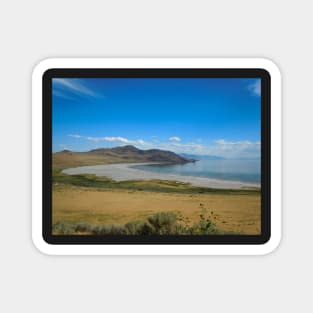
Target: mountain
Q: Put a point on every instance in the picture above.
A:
(121, 154)
(197, 157)
(137, 155)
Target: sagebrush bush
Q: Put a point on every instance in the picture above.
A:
(108, 230)
(163, 223)
(83, 228)
(63, 228)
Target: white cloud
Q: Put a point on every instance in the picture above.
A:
(95, 139)
(74, 85)
(179, 147)
(245, 143)
(219, 147)
(220, 141)
(117, 139)
(255, 88)
(174, 138)
(140, 141)
(61, 94)
(125, 140)
(236, 149)
(75, 136)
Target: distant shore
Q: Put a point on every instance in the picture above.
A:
(125, 171)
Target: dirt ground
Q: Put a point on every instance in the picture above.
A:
(233, 213)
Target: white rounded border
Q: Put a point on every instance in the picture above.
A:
(156, 249)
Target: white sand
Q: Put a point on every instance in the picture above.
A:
(122, 172)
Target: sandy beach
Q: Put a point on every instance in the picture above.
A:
(125, 171)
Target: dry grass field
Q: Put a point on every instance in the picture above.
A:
(238, 213)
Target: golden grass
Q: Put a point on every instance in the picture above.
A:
(233, 212)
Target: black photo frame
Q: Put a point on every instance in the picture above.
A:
(157, 73)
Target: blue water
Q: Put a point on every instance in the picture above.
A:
(236, 170)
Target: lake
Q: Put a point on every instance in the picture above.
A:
(248, 171)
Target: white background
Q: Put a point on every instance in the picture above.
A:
(34, 30)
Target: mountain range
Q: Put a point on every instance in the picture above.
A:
(121, 154)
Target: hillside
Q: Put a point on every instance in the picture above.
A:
(123, 154)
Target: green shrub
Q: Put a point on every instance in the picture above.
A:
(163, 223)
(63, 228)
(83, 228)
(108, 230)
(137, 228)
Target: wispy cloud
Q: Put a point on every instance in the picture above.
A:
(117, 139)
(191, 145)
(75, 136)
(174, 139)
(74, 86)
(233, 149)
(61, 94)
(255, 88)
(244, 143)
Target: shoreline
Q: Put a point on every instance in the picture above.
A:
(125, 171)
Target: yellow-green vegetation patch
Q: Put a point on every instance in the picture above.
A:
(93, 181)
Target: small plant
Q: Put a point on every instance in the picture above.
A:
(205, 225)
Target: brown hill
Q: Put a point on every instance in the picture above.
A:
(123, 154)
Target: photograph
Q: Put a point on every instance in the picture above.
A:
(156, 156)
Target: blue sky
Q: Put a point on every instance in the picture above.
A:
(199, 116)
